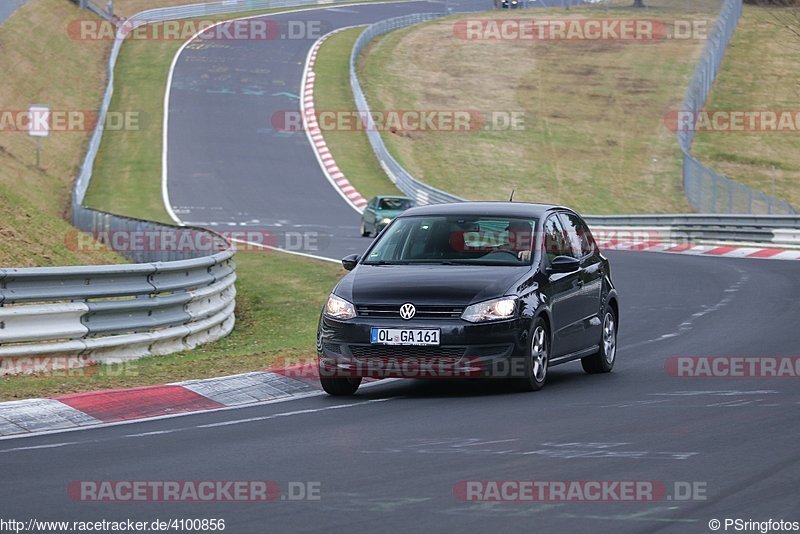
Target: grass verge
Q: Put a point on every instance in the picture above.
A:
(594, 135)
(758, 73)
(41, 64)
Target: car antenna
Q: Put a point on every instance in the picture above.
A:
(511, 198)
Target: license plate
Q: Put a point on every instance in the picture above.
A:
(404, 336)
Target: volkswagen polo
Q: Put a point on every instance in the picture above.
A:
(472, 289)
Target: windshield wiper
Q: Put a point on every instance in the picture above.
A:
(384, 262)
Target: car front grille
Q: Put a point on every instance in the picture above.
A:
(423, 312)
(332, 347)
(406, 351)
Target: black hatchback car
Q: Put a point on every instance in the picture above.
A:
(472, 289)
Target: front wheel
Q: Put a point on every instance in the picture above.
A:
(603, 360)
(340, 387)
(537, 358)
(364, 232)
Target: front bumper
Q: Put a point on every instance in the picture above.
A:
(466, 350)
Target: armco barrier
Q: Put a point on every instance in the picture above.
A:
(773, 230)
(420, 191)
(116, 311)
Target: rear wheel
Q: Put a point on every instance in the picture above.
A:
(603, 360)
(340, 387)
(538, 357)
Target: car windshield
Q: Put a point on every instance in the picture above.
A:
(395, 204)
(451, 240)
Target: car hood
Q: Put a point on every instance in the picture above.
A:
(427, 284)
(391, 214)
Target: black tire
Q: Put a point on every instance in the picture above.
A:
(537, 357)
(340, 387)
(603, 360)
(364, 232)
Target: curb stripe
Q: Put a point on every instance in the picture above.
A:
(765, 253)
(138, 403)
(721, 251)
(318, 144)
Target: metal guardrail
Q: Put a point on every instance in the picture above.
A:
(706, 190)
(116, 312)
(420, 191)
(775, 230)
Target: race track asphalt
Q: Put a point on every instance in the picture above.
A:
(230, 164)
(389, 459)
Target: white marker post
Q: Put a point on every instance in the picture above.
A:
(38, 126)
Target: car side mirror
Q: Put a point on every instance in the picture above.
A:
(564, 264)
(350, 262)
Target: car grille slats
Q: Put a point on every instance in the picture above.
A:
(405, 351)
(332, 347)
(422, 312)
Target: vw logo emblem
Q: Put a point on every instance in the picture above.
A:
(407, 311)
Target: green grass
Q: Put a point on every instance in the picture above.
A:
(594, 135)
(65, 74)
(332, 92)
(127, 174)
(758, 73)
(277, 307)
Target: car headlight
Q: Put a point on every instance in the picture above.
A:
(386, 220)
(338, 308)
(491, 310)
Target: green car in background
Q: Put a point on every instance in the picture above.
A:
(380, 211)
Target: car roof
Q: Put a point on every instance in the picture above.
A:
(399, 197)
(491, 209)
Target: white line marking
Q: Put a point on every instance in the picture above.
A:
(289, 414)
(154, 433)
(49, 446)
(294, 252)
